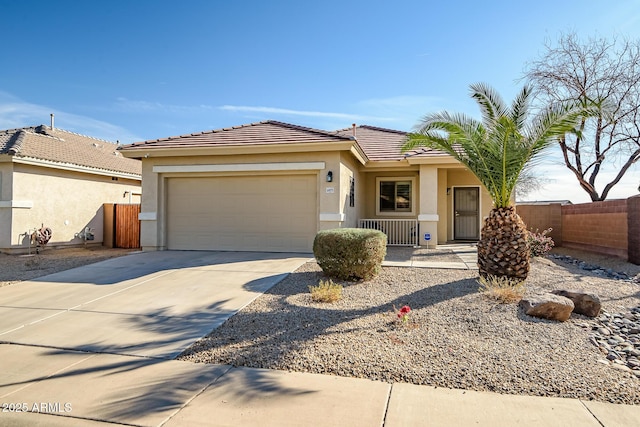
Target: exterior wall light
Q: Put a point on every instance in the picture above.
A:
(329, 176)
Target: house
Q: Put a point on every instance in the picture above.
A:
(56, 179)
(271, 186)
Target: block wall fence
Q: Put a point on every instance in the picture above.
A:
(611, 227)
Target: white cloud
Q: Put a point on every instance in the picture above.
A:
(137, 106)
(289, 112)
(15, 113)
(405, 110)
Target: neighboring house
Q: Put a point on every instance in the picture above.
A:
(58, 179)
(271, 186)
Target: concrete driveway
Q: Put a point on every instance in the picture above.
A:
(152, 304)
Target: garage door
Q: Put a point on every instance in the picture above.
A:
(257, 213)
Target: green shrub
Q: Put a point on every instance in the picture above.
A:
(350, 253)
(326, 291)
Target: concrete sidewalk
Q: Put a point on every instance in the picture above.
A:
(467, 257)
(67, 388)
(93, 346)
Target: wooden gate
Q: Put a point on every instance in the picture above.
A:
(122, 226)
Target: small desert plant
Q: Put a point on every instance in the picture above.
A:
(501, 288)
(326, 291)
(403, 313)
(539, 243)
(350, 253)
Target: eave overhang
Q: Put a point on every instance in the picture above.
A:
(74, 168)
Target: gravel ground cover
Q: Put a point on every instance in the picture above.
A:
(16, 268)
(455, 337)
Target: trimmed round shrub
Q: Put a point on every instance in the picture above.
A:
(350, 253)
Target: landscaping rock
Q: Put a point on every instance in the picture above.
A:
(586, 304)
(547, 306)
(619, 343)
(617, 275)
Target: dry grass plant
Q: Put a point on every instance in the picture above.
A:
(326, 291)
(505, 290)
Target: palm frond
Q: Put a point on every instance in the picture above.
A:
(520, 107)
(500, 147)
(491, 103)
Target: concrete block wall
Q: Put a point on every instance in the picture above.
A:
(598, 226)
(633, 226)
(611, 227)
(542, 217)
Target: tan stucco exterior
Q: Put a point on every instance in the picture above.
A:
(63, 200)
(157, 170)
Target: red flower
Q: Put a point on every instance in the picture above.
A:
(404, 311)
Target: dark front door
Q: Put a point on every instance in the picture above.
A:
(466, 208)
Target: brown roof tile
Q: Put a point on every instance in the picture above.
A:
(261, 133)
(380, 144)
(61, 146)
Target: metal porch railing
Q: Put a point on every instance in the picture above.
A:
(400, 232)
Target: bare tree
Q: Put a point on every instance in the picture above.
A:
(528, 182)
(597, 70)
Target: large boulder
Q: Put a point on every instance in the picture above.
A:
(587, 304)
(547, 306)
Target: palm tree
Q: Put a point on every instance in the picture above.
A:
(497, 150)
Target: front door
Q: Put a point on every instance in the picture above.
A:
(466, 208)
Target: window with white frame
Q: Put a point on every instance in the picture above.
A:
(395, 195)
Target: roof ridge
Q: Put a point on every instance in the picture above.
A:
(15, 143)
(401, 132)
(204, 132)
(246, 125)
(34, 130)
(14, 130)
(82, 135)
(304, 128)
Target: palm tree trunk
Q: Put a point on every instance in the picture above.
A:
(503, 249)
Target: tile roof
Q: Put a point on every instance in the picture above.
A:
(260, 133)
(380, 144)
(64, 147)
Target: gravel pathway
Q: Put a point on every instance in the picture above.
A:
(455, 337)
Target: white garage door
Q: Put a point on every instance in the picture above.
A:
(257, 213)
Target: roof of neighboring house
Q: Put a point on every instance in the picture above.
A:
(64, 148)
(386, 144)
(260, 133)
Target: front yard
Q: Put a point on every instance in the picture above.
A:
(455, 337)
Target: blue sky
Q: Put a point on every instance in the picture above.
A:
(137, 70)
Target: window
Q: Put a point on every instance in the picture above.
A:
(395, 196)
(352, 192)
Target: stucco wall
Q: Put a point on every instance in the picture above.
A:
(5, 196)
(330, 203)
(348, 170)
(64, 201)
